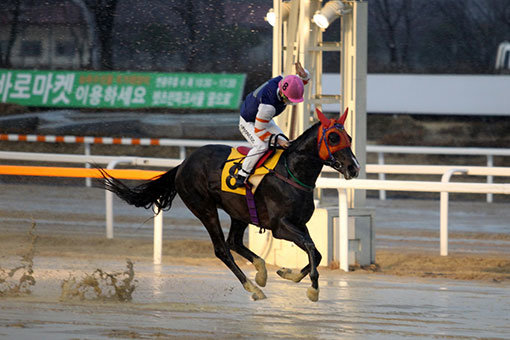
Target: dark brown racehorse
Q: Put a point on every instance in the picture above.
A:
(282, 208)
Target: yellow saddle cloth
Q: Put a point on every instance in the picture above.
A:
(233, 164)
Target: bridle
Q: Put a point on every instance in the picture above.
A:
(331, 159)
(326, 146)
(325, 150)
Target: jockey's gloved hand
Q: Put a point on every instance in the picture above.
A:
(283, 143)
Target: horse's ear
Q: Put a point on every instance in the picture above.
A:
(344, 116)
(322, 118)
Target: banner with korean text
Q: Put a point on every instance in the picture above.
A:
(93, 89)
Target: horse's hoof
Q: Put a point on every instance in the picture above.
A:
(261, 276)
(288, 274)
(257, 293)
(313, 294)
(258, 296)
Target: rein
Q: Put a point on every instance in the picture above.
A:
(295, 182)
(309, 187)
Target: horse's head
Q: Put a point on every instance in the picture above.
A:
(334, 145)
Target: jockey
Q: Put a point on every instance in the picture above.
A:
(257, 111)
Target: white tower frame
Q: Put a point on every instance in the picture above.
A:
(299, 39)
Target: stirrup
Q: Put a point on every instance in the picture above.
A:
(240, 181)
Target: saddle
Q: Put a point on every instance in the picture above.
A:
(234, 161)
(243, 150)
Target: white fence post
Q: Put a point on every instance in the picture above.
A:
(88, 182)
(109, 200)
(343, 216)
(182, 152)
(443, 212)
(158, 236)
(490, 163)
(382, 175)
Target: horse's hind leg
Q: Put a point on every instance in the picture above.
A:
(208, 215)
(235, 242)
(297, 276)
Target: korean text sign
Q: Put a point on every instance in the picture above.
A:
(121, 89)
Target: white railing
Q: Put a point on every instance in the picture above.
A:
(489, 153)
(182, 144)
(381, 150)
(110, 162)
(444, 187)
(372, 184)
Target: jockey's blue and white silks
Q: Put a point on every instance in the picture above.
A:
(267, 94)
(256, 122)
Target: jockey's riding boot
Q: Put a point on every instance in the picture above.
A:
(240, 180)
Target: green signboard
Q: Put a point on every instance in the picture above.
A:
(121, 89)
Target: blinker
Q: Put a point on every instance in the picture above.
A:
(329, 126)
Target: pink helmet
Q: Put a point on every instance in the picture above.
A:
(292, 87)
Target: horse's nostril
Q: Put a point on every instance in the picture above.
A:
(353, 170)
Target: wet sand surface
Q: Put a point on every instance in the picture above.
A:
(193, 295)
(206, 302)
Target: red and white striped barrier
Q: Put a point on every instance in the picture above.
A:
(87, 140)
(79, 139)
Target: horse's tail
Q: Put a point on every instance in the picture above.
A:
(158, 192)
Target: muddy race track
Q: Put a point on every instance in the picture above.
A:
(60, 278)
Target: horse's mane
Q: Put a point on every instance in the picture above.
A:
(304, 137)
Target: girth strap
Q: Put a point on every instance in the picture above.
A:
(250, 201)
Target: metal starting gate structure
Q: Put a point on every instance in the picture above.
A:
(298, 27)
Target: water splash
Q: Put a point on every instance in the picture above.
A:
(101, 285)
(17, 281)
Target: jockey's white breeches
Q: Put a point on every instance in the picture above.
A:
(259, 146)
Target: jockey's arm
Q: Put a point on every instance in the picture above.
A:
(264, 116)
(302, 73)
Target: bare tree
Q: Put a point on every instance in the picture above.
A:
(395, 21)
(471, 33)
(16, 12)
(79, 39)
(204, 21)
(104, 15)
(187, 12)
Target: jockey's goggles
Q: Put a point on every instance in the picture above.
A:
(286, 100)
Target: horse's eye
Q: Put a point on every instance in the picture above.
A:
(333, 139)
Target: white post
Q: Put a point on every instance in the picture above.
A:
(88, 182)
(382, 175)
(490, 163)
(343, 216)
(354, 86)
(109, 201)
(109, 214)
(443, 212)
(182, 152)
(158, 236)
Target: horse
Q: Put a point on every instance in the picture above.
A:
(284, 197)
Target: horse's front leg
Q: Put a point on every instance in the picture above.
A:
(301, 237)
